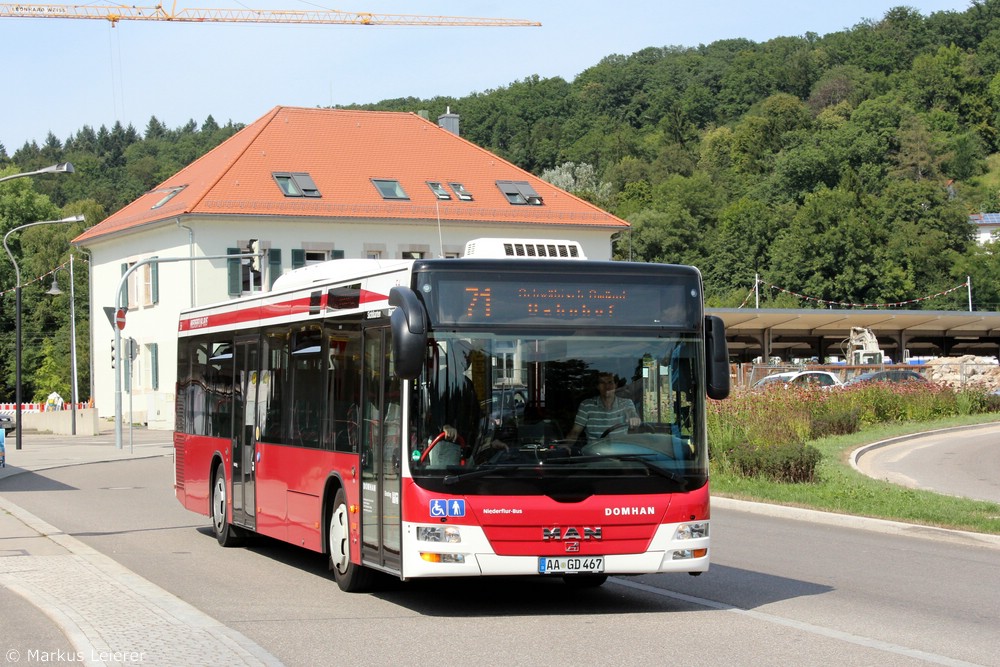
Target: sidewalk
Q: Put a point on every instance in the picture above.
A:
(110, 615)
(41, 451)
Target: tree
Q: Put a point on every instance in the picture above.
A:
(668, 236)
(966, 157)
(833, 251)
(155, 129)
(927, 232)
(741, 245)
(843, 83)
(917, 156)
(19, 205)
(209, 127)
(578, 179)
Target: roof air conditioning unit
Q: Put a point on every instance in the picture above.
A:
(524, 248)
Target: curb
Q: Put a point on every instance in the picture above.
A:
(885, 526)
(856, 455)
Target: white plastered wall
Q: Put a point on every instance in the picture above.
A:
(205, 282)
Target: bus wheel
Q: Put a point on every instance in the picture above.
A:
(227, 534)
(351, 577)
(585, 580)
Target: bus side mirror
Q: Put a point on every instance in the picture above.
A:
(409, 332)
(716, 358)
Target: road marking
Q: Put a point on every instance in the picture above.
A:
(799, 625)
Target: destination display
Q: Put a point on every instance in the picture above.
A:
(478, 300)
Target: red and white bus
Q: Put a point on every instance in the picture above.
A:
(413, 417)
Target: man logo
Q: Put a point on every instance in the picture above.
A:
(571, 533)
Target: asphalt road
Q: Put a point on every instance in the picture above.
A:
(780, 592)
(954, 462)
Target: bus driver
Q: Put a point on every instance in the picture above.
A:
(598, 414)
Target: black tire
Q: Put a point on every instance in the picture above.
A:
(351, 577)
(585, 580)
(227, 534)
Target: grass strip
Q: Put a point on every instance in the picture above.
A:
(840, 488)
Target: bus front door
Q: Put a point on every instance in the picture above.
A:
(247, 354)
(381, 452)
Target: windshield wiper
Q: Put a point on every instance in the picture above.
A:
(482, 472)
(632, 458)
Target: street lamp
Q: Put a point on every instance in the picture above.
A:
(17, 317)
(55, 291)
(61, 168)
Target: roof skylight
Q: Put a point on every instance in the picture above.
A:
(389, 188)
(296, 184)
(520, 193)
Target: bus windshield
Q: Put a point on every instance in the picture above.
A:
(513, 414)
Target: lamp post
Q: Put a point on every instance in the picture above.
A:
(61, 168)
(17, 317)
(55, 291)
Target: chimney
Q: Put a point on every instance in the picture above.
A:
(449, 121)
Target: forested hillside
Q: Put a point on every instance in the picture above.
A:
(841, 167)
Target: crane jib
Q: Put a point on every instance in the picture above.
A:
(115, 13)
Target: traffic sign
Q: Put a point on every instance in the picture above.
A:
(120, 319)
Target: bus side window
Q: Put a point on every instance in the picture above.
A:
(344, 392)
(275, 360)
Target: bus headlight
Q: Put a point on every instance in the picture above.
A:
(691, 531)
(450, 534)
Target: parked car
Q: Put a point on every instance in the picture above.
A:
(507, 403)
(895, 375)
(7, 422)
(800, 379)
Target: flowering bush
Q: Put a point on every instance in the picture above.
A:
(764, 433)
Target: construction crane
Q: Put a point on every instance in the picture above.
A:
(116, 13)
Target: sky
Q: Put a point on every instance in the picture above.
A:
(61, 74)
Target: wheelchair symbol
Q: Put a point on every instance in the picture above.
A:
(439, 508)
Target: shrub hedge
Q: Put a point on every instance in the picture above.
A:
(766, 433)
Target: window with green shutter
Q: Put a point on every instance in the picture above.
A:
(124, 295)
(154, 365)
(235, 272)
(155, 280)
(127, 364)
(273, 265)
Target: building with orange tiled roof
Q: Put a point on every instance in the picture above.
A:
(310, 185)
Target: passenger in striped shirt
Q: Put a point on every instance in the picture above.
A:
(596, 415)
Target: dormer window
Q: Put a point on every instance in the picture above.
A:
(438, 190)
(520, 193)
(461, 192)
(389, 189)
(296, 184)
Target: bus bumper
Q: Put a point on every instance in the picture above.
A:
(672, 549)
